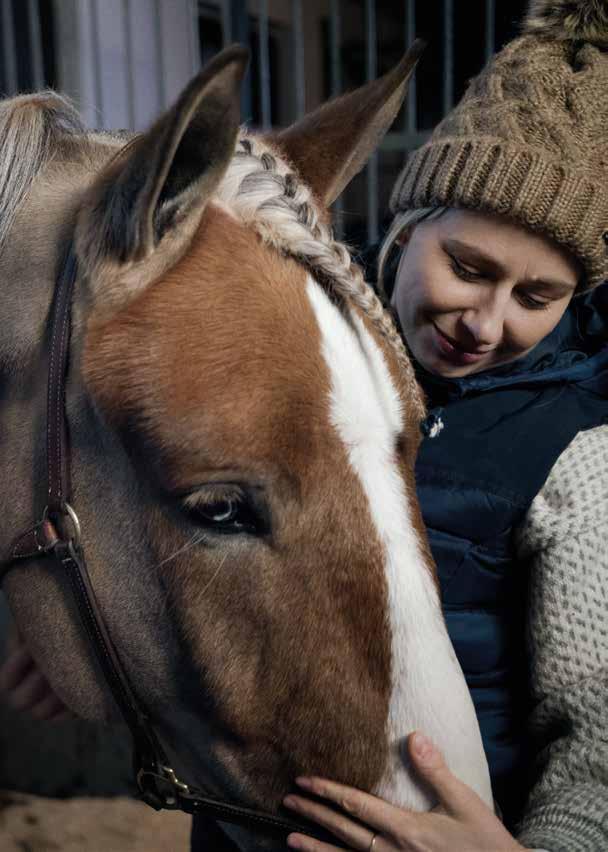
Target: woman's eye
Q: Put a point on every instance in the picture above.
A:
(533, 304)
(463, 271)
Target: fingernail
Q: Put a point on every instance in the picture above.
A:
(290, 802)
(301, 781)
(294, 842)
(423, 747)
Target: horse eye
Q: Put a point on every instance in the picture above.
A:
(220, 512)
(226, 515)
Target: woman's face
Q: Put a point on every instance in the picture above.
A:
(474, 290)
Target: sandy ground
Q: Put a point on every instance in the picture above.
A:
(75, 784)
(37, 824)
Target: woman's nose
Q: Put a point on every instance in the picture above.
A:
(485, 323)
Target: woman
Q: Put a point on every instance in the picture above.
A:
(502, 235)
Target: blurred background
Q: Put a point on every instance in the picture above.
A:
(122, 62)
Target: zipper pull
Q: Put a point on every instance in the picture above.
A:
(432, 425)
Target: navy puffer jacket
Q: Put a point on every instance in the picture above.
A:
(504, 429)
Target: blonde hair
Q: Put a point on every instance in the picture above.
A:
(404, 220)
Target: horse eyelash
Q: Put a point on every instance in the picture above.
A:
(201, 500)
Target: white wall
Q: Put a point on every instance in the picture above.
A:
(122, 61)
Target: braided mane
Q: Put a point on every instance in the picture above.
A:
(262, 190)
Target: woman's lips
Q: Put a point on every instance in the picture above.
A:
(451, 352)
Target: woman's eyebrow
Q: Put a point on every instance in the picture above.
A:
(474, 255)
(558, 288)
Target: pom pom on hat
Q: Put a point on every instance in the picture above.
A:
(569, 20)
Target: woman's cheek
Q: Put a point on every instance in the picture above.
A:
(524, 328)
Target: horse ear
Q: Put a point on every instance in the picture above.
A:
(329, 146)
(167, 173)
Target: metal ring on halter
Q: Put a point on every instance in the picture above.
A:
(69, 511)
(370, 848)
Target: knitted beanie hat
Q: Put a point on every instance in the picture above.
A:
(529, 139)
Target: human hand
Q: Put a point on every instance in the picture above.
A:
(25, 686)
(461, 821)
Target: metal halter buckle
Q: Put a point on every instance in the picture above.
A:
(167, 786)
(68, 512)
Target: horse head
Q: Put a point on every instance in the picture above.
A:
(244, 424)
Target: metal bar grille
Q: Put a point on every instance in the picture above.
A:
(371, 68)
(297, 28)
(126, 14)
(143, 38)
(411, 112)
(226, 12)
(239, 17)
(334, 48)
(160, 55)
(94, 35)
(335, 90)
(8, 48)
(490, 27)
(195, 48)
(448, 54)
(404, 141)
(33, 20)
(264, 69)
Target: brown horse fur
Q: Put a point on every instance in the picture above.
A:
(355, 129)
(332, 715)
(197, 375)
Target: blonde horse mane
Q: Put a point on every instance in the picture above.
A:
(31, 129)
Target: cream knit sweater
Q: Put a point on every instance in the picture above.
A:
(565, 538)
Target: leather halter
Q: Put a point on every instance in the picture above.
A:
(57, 535)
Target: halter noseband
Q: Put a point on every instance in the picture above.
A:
(57, 535)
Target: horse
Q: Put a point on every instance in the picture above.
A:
(243, 425)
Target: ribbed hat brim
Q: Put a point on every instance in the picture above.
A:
(515, 181)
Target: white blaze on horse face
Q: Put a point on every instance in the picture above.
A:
(429, 692)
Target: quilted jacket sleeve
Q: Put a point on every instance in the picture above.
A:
(564, 539)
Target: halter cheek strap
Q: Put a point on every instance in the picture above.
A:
(58, 535)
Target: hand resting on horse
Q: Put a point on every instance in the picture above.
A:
(460, 821)
(24, 685)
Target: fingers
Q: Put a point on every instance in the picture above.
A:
(357, 836)
(27, 689)
(30, 691)
(455, 797)
(34, 696)
(15, 668)
(49, 709)
(371, 810)
(13, 639)
(308, 844)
